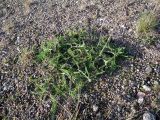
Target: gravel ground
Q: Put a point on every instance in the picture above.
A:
(130, 92)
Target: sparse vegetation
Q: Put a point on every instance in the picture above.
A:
(146, 25)
(51, 70)
(73, 61)
(25, 57)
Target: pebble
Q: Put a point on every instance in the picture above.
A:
(148, 116)
(85, 96)
(123, 26)
(130, 30)
(157, 69)
(155, 83)
(148, 69)
(140, 100)
(141, 96)
(5, 88)
(18, 40)
(146, 88)
(95, 108)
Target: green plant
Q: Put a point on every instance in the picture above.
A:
(72, 61)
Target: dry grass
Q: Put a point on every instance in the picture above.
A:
(146, 27)
(8, 26)
(25, 57)
(146, 24)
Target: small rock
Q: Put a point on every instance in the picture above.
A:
(123, 26)
(5, 88)
(140, 100)
(157, 69)
(18, 49)
(155, 83)
(95, 108)
(85, 96)
(146, 88)
(17, 41)
(141, 96)
(148, 69)
(130, 30)
(148, 116)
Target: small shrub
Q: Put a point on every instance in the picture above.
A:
(73, 61)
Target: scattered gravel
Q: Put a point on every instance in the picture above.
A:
(130, 91)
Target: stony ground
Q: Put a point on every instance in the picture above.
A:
(130, 92)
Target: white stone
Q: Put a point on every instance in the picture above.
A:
(95, 108)
(140, 100)
(146, 88)
(148, 116)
